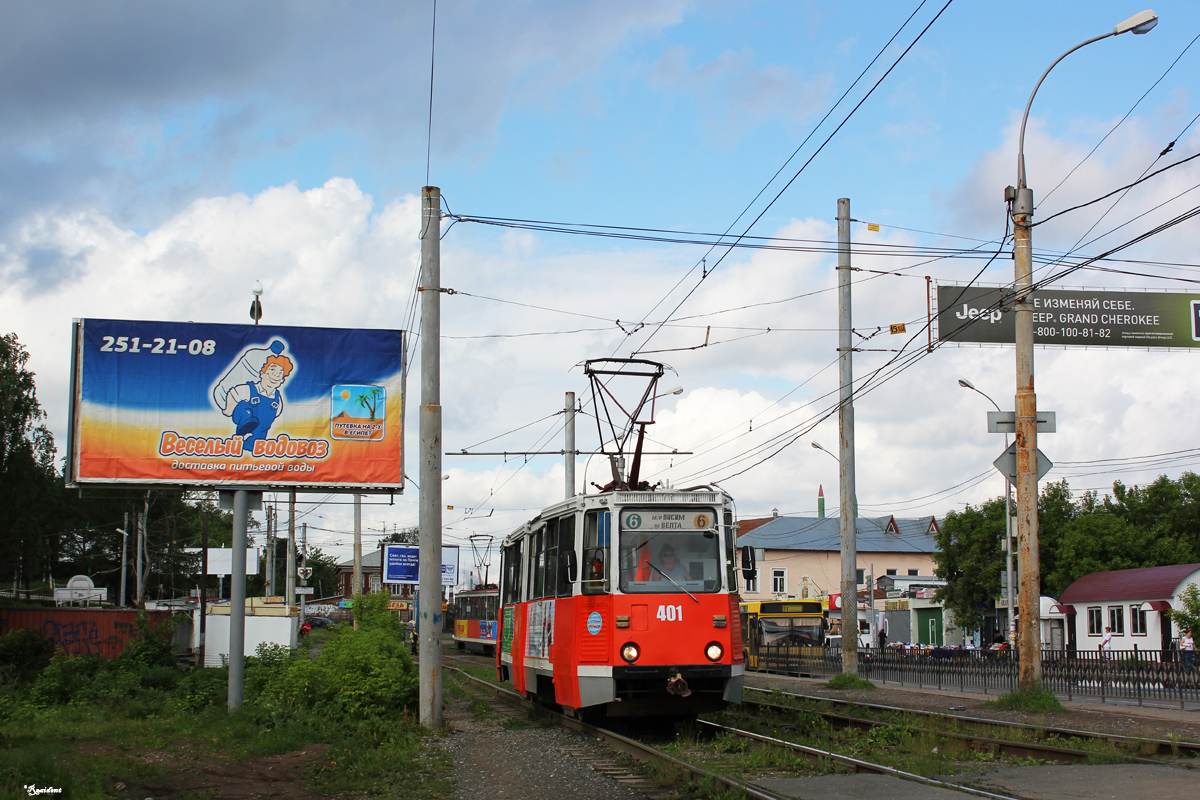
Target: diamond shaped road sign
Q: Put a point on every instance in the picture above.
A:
(1007, 464)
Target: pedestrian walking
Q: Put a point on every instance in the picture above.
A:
(1106, 644)
(1187, 647)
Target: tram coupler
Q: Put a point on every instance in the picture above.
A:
(677, 685)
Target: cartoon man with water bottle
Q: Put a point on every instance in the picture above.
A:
(250, 392)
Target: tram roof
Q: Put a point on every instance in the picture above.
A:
(875, 535)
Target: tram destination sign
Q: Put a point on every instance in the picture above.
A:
(676, 519)
(1104, 318)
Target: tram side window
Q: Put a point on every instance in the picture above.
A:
(512, 573)
(596, 530)
(537, 560)
(550, 542)
(730, 553)
(566, 555)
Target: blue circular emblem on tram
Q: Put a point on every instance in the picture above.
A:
(594, 623)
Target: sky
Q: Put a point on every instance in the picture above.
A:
(157, 159)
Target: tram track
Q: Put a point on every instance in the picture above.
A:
(639, 751)
(643, 752)
(1138, 749)
(774, 733)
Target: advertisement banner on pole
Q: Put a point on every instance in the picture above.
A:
(1104, 318)
(236, 405)
(401, 564)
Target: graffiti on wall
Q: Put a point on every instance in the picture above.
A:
(81, 638)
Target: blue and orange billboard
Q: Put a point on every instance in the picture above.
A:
(228, 405)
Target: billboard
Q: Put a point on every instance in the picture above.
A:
(236, 406)
(1105, 318)
(401, 564)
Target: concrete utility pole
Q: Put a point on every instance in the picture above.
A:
(289, 580)
(269, 583)
(124, 559)
(1021, 199)
(569, 410)
(849, 499)
(303, 562)
(430, 560)
(358, 551)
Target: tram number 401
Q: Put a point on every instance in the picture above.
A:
(670, 613)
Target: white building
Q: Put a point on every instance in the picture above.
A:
(1133, 602)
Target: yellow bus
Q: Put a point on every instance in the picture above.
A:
(780, 627)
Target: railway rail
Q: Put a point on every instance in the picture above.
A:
(643, 752)
(623, 744)
(1132, 744)
(1135, 749)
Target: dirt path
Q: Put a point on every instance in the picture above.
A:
(195, 773)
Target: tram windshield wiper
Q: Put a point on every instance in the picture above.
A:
(655, 567)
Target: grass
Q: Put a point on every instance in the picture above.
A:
(1035, 701)
(846, 680)
(85, 727)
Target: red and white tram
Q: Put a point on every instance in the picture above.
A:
(624, 602)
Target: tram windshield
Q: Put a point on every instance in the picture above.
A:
(790, 630)
(670, 550)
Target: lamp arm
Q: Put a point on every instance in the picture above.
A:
(1025, 117)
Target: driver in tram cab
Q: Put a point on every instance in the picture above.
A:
(668, 566)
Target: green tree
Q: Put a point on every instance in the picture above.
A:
(1188, 617)
(969, 557)
(324, 575)
(402, 536)
(28, 479)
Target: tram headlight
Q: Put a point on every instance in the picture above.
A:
(714, 651)
(630, 652)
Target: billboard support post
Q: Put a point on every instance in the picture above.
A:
(237, 600)
(430, 601)
(357, 590)
(289, 582)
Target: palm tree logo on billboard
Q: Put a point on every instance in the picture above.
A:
(358, 412)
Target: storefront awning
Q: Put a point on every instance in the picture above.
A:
(1062, 609)
(1156, 605)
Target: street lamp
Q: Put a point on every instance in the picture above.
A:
(256, 304)
(817, 446)
(1021, 207)
(1008, 562)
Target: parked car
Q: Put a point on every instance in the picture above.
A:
(320, 622)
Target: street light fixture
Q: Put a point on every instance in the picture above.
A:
(1021, 208)
(256, 304)
(817, 446)
(1008, 560)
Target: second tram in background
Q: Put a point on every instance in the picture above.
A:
(475, 619)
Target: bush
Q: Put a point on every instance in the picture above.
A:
(24, 653)
(1038, 701)
(359, 675)
(371, 611)
(846, 680)
(151, 646)
(65, 678)
(202, 688)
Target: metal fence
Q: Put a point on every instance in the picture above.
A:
(1141, 675)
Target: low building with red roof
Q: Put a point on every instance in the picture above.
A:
(1133, 602)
